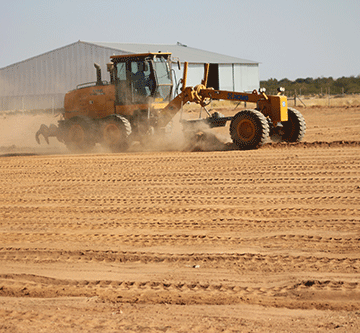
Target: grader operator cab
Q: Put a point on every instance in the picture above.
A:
(137, 102)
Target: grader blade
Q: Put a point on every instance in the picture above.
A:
(47, 132)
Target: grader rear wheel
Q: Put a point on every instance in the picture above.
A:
(79, 136)
(115, 131)
(249, 129)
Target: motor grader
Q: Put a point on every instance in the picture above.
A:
(137, 102)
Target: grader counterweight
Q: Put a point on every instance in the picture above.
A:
(137, 102)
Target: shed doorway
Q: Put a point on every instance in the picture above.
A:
(213, 79)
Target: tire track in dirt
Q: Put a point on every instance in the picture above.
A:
(282, 241)
(247, 262)
(139, 180)
(21, 222)
(203, 212)
(155, 292)
(229, 190)
(166, 201)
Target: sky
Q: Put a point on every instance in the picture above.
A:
(289, 38)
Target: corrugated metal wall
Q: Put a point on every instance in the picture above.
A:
(195, 74)
(42, 81)
(239, 77)
(232, 77)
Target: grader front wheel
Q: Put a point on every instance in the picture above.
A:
(292, 130)
(249, 129)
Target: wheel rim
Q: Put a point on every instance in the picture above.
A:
(111, 134)
(76, 134)
(246, 130)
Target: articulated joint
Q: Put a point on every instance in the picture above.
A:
(198, 98)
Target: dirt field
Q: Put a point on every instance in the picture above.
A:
(196, 240)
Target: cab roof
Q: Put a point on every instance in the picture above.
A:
(140, 55)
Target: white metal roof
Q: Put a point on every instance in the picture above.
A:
(183, 52)
(180, 51)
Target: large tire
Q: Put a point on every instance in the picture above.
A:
(249, 129)
(115, 132)
(80, 134)
(294, 129)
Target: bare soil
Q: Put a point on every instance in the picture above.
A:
(201, 239)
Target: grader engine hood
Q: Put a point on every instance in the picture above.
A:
(94, 102)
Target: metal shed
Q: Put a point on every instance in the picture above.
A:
(41, 82)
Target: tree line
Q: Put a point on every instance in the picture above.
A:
(310, 86)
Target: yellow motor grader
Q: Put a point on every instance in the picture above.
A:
(137, 102)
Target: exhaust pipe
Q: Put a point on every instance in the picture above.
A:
(111, 70)
(98, 75)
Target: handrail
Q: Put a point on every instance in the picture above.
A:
(94, 83)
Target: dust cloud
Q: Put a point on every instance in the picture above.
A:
(178, 138)
(17, 136)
